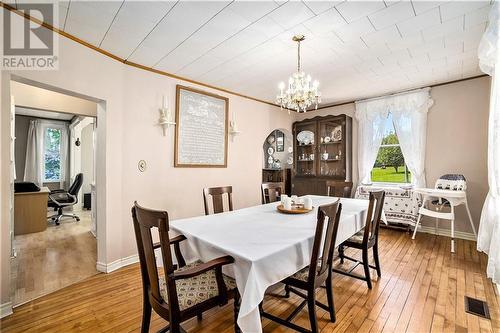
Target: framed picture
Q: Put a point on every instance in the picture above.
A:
(201, 131)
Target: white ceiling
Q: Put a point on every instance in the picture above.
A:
(355, 49)
(20, 111)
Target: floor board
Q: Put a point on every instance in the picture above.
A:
(422, 289)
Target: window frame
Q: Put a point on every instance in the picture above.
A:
(379, 183)
(45, 127)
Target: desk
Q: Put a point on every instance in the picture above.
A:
(267, 246)
(30, 211)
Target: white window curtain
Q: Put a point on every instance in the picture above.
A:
(33, 172)
(409, 114)
(34, 162)
(488, 239)
(371, 117)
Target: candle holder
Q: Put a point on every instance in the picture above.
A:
(165, 120)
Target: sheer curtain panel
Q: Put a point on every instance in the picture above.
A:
(371, 117)
(488, 239)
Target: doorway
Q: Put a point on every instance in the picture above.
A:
(54, 173)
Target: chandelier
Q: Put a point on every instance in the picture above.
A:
(301, 92)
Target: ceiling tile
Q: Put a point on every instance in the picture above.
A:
(132, 24)
(423, 6)
(353, 10)
(320, 6)
(325, 22)
(89, 20)
(386, 36)
(477, 16)
(354, 30)
(391, 15)
(420, 22)
(252, 10)
(291, 14)
(217, 30)
(182, 21)
(440, 30)
(453, 9)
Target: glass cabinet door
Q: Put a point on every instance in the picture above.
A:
(305, 149)
(331, 136)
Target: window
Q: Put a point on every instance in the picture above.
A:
(390, 164)
(52, 154)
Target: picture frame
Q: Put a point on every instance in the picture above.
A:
(201, 134)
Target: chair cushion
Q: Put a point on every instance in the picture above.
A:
(301, 275)
(357, 237)
(196, 289)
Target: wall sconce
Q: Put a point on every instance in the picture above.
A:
(233, 128)
(165, 120)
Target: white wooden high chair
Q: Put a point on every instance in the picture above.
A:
(449, 191)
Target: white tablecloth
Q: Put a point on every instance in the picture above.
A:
(400, 205)
(267, 246)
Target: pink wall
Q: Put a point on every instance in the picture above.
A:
(132, 98)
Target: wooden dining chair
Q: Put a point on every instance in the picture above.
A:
(339, 189)
(217, 194)
(365, 239)
(271, 192)
(318, 273)
(185, 291)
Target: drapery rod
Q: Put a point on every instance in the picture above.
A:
(426, 89)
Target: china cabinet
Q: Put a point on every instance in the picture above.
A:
(322, 151)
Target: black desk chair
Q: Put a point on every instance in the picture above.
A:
(58, 199)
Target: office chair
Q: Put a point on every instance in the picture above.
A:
(59, 199)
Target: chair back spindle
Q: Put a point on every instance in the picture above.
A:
(339, 189)
(271, 192)
(217, 196)
(375, 207)
(144, 221)
(320, 266)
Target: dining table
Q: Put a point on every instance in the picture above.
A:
(267, 245)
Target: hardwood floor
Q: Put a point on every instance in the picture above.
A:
(53, 259)
(422, 289)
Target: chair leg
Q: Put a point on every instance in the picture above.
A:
(376, 259)
(146, 315)
(453, 229)
(311, 307)
(341, 253)
(329, 296)
(470, 219)
(175, 327)
(236, 311)
(367, 268)
(416, 225)
(199, 316)
(287, 291)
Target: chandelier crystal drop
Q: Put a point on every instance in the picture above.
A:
(301, 91)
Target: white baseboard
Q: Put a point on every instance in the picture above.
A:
(113, 266)
(447, 233)
(5, 309)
